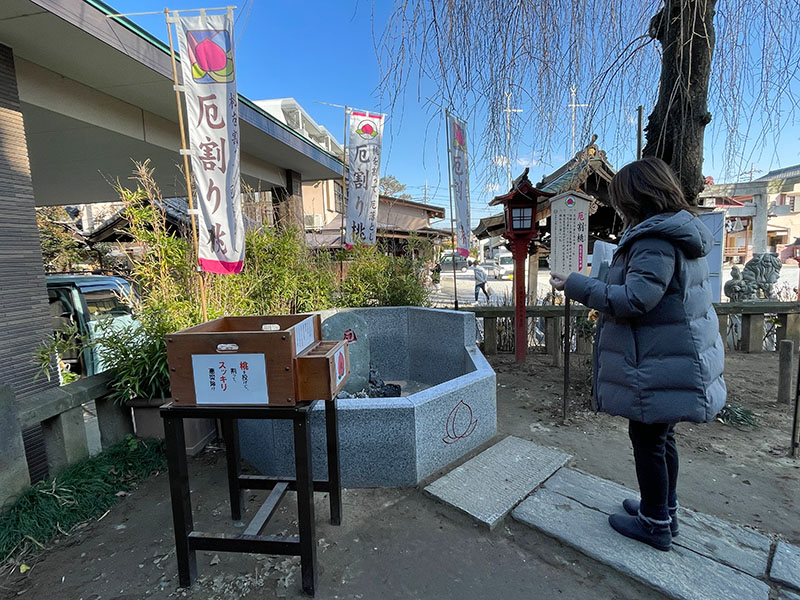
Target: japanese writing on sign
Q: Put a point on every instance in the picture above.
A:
(230, 379)
(212, 109)
(459, 176)
(363, 190)
(569, 228)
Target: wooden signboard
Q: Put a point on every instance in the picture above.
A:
(569, 233)
(254, 361)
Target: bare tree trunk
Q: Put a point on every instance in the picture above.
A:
(675, 128)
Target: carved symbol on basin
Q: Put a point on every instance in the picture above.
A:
(460, 423)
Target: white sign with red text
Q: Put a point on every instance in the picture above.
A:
(212, 113)
(363, 189)
(569, 231)
(230, 379)
(459, 175)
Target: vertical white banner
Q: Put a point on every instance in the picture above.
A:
(459, 172)
(363, 189)
(212, 112)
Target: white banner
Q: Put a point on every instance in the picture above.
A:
(363, 190)
(459, 173)
(212, 112)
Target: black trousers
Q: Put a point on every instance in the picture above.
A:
(656, 459)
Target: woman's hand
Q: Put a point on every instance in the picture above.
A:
(558, 281)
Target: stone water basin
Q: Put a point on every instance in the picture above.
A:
(447, 406)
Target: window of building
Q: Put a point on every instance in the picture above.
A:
(338, 197)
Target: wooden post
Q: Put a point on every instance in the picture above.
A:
(489, 335)
(519, 251)
(186, 171)
(785, 363)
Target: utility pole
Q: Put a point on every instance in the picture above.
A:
(750, 172)
(426, 191)
(508, 110)
(573, 92)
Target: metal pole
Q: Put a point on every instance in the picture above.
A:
(566, 357)
(187, 173)
(452, 220)
(639, 131)
(796, 420)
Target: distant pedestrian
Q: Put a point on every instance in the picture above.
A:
(481, 277)
(659, 356)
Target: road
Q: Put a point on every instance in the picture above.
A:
(501, 291)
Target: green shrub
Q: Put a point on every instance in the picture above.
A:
(78, 493)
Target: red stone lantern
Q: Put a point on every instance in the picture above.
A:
(519, 206)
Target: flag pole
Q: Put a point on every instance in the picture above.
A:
(452, 229)
(187, 173)
(344, 197)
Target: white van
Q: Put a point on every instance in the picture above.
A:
(503, 265)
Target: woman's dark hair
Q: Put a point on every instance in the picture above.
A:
(645, 188)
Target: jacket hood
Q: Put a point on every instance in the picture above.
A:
(682, 228)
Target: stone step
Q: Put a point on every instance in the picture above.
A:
(786, 565)
(489, 485)
(719, 540)
(573, 507)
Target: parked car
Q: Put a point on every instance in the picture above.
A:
(503, 266)
(82, 302)
(462, 263)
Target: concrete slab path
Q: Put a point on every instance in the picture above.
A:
(489, 485)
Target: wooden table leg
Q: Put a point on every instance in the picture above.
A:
(230, 433)
(181, 501)
(334, 472)
(305, 499)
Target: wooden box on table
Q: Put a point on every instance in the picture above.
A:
(262, 361)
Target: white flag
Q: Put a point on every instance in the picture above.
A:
(212, 112)
(459, 173)
(363, 190)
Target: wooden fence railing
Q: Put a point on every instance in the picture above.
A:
(753, 315)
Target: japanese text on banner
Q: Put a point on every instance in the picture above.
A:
(459, 170)
(212, 110)
(364, 162)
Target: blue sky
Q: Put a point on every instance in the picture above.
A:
(323, 51)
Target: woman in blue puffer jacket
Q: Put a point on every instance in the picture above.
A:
(659, 356)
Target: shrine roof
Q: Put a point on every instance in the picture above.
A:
(573, 174)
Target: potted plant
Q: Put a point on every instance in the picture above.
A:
(137, 356)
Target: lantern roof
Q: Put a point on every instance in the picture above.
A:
(521, 187)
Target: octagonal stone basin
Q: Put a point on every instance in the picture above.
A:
(397, 441)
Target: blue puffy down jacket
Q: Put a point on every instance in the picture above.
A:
(659, 356)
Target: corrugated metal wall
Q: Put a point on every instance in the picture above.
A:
(24, 313)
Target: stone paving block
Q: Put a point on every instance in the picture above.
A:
(787, 595)
(489, 485)
(719, 540)
(786, 565)
(680, 573)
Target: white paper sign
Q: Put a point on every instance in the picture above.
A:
(230, 379)
(303, 335)
(569, 231)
